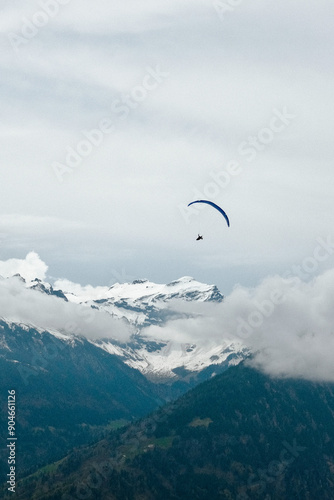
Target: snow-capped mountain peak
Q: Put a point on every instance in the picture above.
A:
(143, 303)
(141, 291)
(43, 286)
(186, 288)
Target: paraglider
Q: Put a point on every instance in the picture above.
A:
(214, 206)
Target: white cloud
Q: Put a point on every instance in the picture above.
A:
(29, 268)
(297, 339)
(288, 325)
(24, 305)
(82, 293)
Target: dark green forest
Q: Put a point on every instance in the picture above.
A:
(240, 435)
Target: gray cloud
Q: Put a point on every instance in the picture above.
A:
(225, 79)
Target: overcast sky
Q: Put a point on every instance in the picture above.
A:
(115, 115)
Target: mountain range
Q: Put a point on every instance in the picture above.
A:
(240, 435)
(64, 379)
(143, 303)
(146, 418)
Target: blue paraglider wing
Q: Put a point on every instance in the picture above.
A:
(214, 206)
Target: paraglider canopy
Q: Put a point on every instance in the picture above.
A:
(214, 206)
